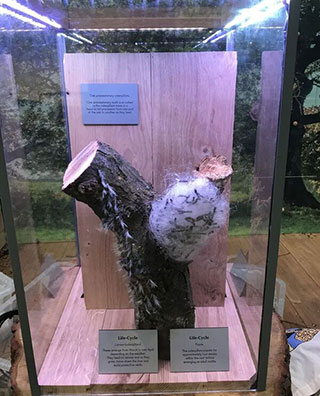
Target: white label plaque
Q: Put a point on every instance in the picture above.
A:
(128, 351)
(199, 349)
(110, 104)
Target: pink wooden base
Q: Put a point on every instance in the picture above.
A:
(71, 363)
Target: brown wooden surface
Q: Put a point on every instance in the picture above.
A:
(2, 232)
(302, 290)
(72, 362)
(181, 121)
(305, 249)
(268, 113)
(198, 122)
(302, 280)
(298, 267)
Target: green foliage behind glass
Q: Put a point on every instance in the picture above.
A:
(36, 73)
(36, 69)
(50, 207)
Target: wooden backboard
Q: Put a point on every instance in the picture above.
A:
(186, 103)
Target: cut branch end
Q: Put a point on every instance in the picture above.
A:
(215, 169)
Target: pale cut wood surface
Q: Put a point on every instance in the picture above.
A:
(181, 121)
(268, 107)
(302, 290)
(195, 95)
(303, 285)
(72, 358)
(104, 285)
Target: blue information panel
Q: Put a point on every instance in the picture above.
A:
(110, 104)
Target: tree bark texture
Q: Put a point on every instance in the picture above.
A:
(158, 285)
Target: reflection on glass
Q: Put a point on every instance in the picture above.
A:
(209, 79)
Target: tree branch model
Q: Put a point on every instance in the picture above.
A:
(157, 235)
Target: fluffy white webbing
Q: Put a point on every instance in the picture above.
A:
(185, 216)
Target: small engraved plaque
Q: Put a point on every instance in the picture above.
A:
(128, 351)
(110, 104)
(199, 349)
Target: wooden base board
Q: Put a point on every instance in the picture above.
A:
(71, 363)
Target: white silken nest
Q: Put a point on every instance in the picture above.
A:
(186, 215)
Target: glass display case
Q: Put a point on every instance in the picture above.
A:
(144, 151)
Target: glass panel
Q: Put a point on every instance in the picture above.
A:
(205, 82)
(298, 264)
(33, 129)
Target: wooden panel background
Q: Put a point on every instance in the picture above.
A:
(193, 98)
(186, 112)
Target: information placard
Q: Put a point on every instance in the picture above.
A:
(199, 349)
(128, 351)
(110, 104)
